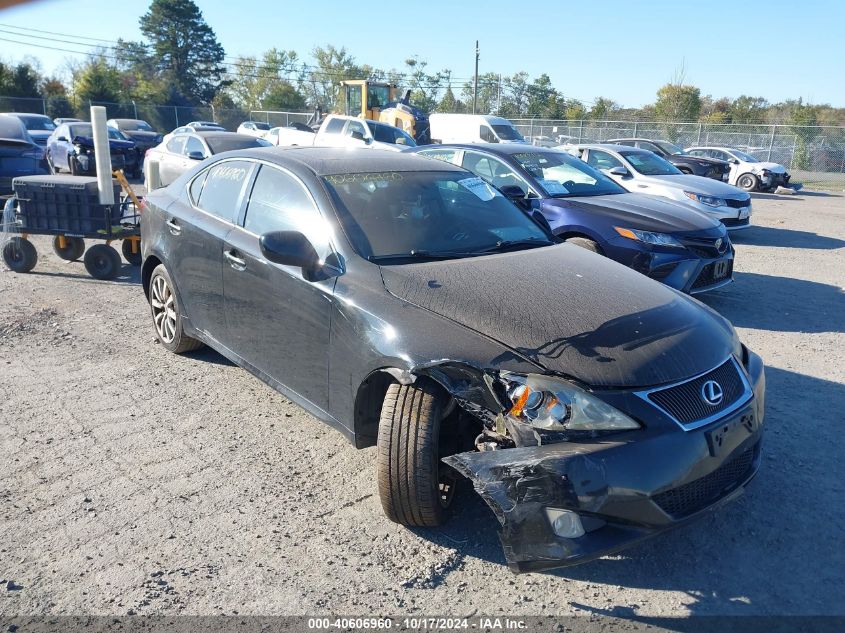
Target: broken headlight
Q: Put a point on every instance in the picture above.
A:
(555, 405)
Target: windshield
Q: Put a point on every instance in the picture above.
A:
(116, 135)
(390, 134)
(393, 216)
(670, 148)
(562, 175)
(85, 129)
(219, 144)
(261, 126)
(748, 158)
(649, 164)
(37, 123)
(507, 133)
(135, 126)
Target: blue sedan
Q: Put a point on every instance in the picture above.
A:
(666, 241)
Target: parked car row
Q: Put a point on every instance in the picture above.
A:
(426, 302)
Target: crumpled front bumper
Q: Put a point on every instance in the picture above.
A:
(624, 491)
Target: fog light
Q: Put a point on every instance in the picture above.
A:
(565, 523)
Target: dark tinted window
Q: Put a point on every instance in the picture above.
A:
(602, 160)
(487, 134)
(279, 202)
(261, 126)
(223, 187)
(391, 214)
(38, 123)
(390, 134)
(219, 144)
(650, 164)
(507, 133)
(194, 145)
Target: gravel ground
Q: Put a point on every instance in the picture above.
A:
(136, 481)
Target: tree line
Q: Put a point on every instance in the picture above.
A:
(180, 62)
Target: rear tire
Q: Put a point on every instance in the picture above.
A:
(20, 255)
(128, 255)
(74, 247)
(102, 262)
(167, 314)
(414, 486)
(748, 182)
(585, 243)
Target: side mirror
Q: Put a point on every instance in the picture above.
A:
(289, 248)
(733, 161)
(619, 171)
(62, 138)
(401, 141)
(195, 155)
(358, 136)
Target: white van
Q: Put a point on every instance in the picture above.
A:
(472, 128)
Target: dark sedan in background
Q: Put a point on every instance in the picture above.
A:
(181, 152)
(410, 305)
(667, 241)
(686, 163)
(20, 155)
(139, 131)
(71, 147)
(39, 126)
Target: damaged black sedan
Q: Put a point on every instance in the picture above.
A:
(410, 305)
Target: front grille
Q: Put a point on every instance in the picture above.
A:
(707, 276)
(707, 247)
(697, 495)
(661, 272)
(736, 221)
(738, 204)
(685, 402)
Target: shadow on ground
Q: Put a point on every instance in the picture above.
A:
(774, 551)
(76, 271)
(785, 238)
(781, 304)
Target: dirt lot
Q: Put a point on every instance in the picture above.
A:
(136, 481)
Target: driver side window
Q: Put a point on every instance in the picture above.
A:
(356, 126)
(602, 160)
(193, 145)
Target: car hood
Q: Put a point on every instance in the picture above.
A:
(699, 184)
(40, 135)
(88, 141)
(775, 168)
(636, 211)
(573, 312)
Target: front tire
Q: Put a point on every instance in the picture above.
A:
(102, 262)
(748, 182)
(20, 255)
(415, 488)
(167, 315)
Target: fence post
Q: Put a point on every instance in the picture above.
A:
(635, 128)
(135, 108)
(176, 115)
(44, 107)
(771, 143)
(531, 133)
(698, 142)
(580, 130)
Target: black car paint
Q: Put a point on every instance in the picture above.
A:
(460, 323)
(695, 165)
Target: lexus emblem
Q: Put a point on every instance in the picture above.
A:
(712, 393)
(719, 245)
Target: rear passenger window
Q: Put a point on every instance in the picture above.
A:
(334, 126)
(224, 185)
(279, 202)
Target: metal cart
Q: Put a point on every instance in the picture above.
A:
(68, 208)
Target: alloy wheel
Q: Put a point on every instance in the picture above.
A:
(164, 309)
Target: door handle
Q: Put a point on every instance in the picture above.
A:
(234, 261)
(174, 227)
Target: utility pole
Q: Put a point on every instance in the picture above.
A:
(475, 91)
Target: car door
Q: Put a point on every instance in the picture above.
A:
(57, 157)
(197, 229)
(279, 321)
(170, 160)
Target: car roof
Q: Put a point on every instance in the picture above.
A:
(611, 146)
(637, 138)
(127, 120)
(324, 161)
(217, 134)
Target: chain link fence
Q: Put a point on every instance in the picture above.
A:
(814, 155)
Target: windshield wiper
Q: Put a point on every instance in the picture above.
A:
(421, 254)
(503, 245)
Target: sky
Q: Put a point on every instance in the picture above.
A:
(620, 49)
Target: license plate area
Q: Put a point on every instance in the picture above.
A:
(727, 436)
(721, 269)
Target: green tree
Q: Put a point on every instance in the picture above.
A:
(516, 95)
(541, 93)
(574, 110)
(284, 96)
(187, 53)
(603, 108)
(253, 82)
(96, 80)
(745, 109)
(19, 80)
(424, 87)
(488, 93)
(803, 120)
(678, 102)
(449, 103)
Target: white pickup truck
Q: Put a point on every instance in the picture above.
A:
(343, 131)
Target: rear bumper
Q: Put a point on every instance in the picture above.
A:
(623, 492)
